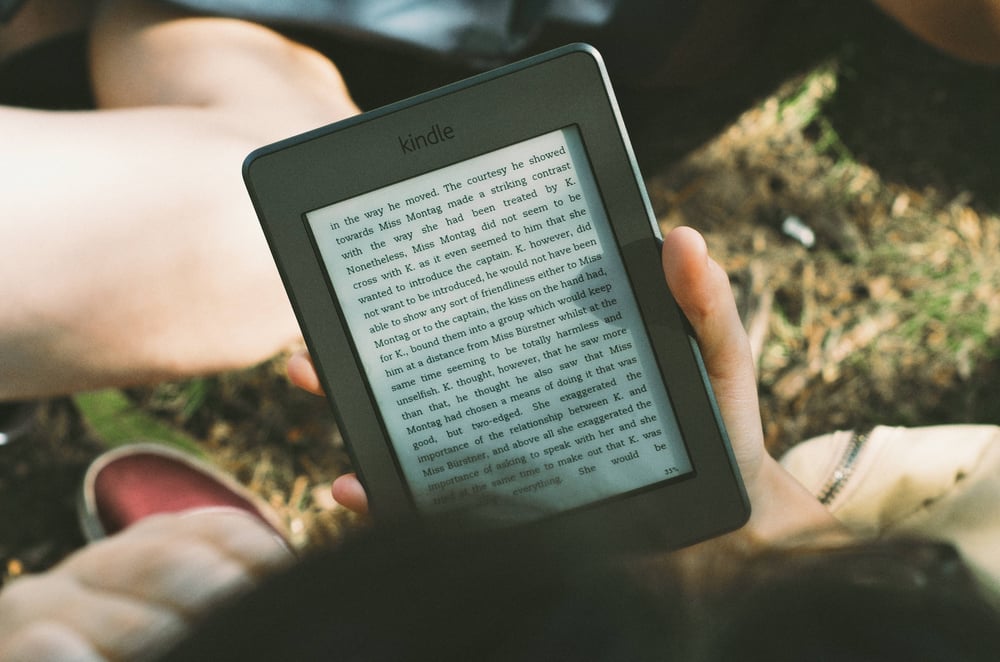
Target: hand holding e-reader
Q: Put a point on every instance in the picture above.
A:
(477, 276)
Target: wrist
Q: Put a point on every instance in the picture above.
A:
(784, 515)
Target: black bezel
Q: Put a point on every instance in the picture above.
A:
(487, 112)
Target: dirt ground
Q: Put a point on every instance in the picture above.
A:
(881, 150)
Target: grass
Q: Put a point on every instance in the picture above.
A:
(894, 316)
(803, 108)
(115, 419)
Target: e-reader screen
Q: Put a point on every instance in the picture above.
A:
(491, 312)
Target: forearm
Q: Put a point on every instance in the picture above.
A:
(145, 54)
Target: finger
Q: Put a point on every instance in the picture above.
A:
(348, 492)
(302, 373)
(701, 288)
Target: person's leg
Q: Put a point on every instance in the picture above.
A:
(134, 255)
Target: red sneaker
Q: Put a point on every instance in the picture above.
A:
(125, 484)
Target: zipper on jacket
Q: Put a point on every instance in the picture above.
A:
(842, 472)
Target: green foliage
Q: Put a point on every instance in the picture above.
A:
(804, 108)
(118, 421)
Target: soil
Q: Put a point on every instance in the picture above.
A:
(838, 123)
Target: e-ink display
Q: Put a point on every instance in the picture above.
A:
(490, 309)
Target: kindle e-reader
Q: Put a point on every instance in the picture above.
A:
(476, 272)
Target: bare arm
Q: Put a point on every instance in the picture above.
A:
(130, 251)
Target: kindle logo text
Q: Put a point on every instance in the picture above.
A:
(436, 134)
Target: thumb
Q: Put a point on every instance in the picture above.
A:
(701, 288)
